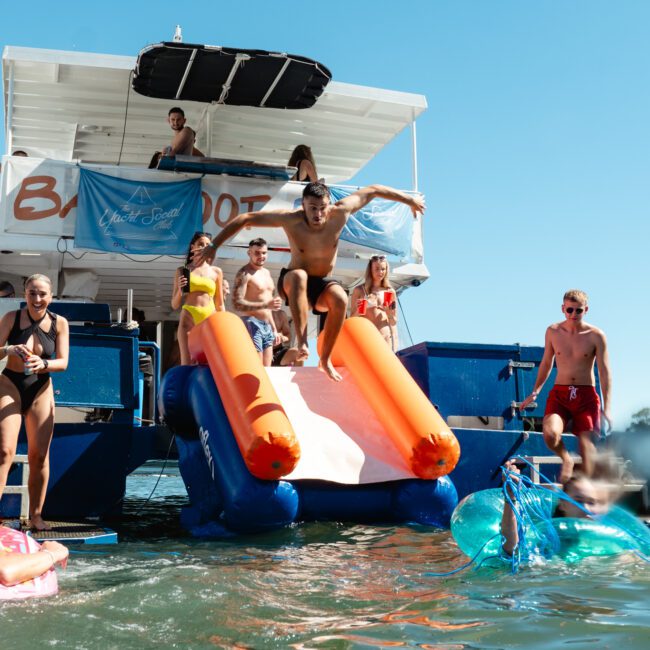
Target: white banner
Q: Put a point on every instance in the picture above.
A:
(39, 197)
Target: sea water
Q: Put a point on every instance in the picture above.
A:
(318, 585)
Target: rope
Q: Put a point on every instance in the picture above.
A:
(126, 112)
(162, 469)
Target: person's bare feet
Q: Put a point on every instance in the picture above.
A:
(38, 523)
(567, 468)
(325, 365)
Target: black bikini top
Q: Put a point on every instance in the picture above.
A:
(47, 339)
(296, 176)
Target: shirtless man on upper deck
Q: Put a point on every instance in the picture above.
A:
(184, 136)
(313, 232)
(576, 346)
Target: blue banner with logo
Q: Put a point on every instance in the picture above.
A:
(124, 216)
(382, 225)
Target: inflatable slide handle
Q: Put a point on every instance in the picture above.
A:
(415, 427)
(265, 437)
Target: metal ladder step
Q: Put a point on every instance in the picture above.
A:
(22, 489)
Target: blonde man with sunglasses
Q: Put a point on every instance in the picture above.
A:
(576, 346)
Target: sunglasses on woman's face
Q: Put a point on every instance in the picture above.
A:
(570, 310)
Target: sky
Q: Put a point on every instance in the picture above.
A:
(533, 153)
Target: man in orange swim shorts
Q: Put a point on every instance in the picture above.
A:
(575, 346)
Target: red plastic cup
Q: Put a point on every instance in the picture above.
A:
(388, 298)
(362, 304)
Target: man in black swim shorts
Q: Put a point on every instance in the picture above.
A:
(313, 232)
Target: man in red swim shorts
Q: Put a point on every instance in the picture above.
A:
(575, 346)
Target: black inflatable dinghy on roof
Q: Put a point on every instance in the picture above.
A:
(225, 75)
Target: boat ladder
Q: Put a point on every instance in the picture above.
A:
(21, 459)
(628, 483)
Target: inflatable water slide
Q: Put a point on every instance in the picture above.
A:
(260, 448)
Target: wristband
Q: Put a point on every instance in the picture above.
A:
(534, 394)
(46, 364)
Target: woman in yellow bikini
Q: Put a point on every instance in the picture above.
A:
(205, 294)
(376, 300)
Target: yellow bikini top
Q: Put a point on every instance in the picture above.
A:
(200, 283)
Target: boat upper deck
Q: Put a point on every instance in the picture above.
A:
(74, 110)
(72, 106)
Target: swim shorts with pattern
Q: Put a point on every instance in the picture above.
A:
(261, 332)
(578, 403)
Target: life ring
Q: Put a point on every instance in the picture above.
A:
(476, 527)
(14, 541)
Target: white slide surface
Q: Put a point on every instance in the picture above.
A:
(341, 439)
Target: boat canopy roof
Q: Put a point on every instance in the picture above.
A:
(77, 106)
(225, 75)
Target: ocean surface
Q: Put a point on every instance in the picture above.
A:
(318, 585)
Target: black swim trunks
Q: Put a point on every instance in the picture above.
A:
(278, 354)
(315, 287)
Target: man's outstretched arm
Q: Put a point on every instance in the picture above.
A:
(261, 219)
(357, 200)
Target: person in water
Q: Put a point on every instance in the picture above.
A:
(203, 292)
(35, 342)
(370, 298)
(313, 232)
(587, 497)
(575, 346)
(20, 567)
(303, 160)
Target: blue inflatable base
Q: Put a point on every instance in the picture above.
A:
(226, 498)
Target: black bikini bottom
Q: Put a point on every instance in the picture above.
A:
(28, 386)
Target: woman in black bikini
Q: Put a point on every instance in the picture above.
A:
(35, 342)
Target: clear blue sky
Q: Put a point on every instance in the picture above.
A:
(533, 154)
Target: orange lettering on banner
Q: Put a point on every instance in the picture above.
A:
(72, 203)
(234, 209)
(250, 201)
(207, 206)
(44, 190)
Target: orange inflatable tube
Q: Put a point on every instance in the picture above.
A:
(265, 437)
(415, 427)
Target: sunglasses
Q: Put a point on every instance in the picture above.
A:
(378, 258)
(570, 310)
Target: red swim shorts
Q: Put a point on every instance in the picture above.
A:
(578, 403)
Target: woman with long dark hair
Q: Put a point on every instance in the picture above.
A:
(303, 159)
(198, 289)
(35, 343)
